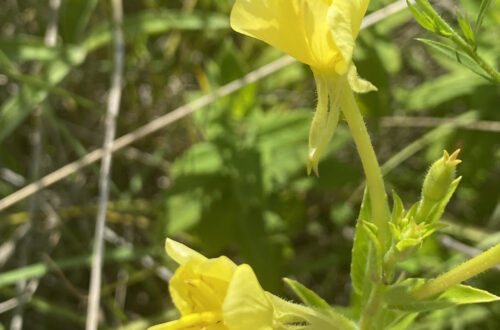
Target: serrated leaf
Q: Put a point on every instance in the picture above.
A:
(361, 248)
(455, 55)
(399, 297)
(308, 297)
(465, 26)
(480, 17)
(421, 18)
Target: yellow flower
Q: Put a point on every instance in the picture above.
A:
(215, 294)
(198, 288)
(320, 33)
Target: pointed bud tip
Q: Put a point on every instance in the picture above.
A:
(312, 162)
(312, 167)
(452, 160)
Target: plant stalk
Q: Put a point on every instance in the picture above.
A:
(375, 182)
(372, 308)
(459, 274)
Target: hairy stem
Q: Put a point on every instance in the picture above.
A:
(371, 166)
(459, 274)
(372, 308)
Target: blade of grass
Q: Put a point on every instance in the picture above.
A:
(41, 269)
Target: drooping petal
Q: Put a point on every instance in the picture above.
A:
(325, 120)
(344, 18)
(358, 84)
(205, 321)
(297, 27)
(246, 306)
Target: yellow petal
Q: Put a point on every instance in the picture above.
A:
(344, 18)
(201, 286)
(297, 27)
(246, 306)
(181, 253)
(358, 84)
(206, 321)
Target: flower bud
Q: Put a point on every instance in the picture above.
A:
(441, 175)
(437, 184)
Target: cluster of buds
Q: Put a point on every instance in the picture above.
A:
(409, 229)
(439, 185)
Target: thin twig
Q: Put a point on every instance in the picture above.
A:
(110, 129)
(404, 121)
(387, 11)
(172, 117)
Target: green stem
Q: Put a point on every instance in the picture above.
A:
(371, 166)
(371, 310)
(459, 274)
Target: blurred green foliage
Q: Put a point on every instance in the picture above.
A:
(231, 178)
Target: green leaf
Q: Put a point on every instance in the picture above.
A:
(421, 18)
(361, 248)
(465, 26)
(40, 269)
(375, 263)
(399, 297)
(398, 209)
(480, 17)
(28, 48)
(405, 322)
(408, 243)
(308, 297)
(201, 158)
(16, 109)
(455, 55)
(183, 211)
(464, 294)
(433, 93)
(74, 17)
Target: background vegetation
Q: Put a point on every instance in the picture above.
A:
(230, 178)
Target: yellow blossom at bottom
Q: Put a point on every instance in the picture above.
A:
(216, 294)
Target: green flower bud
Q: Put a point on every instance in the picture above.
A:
(440, 176)
(437, 183)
